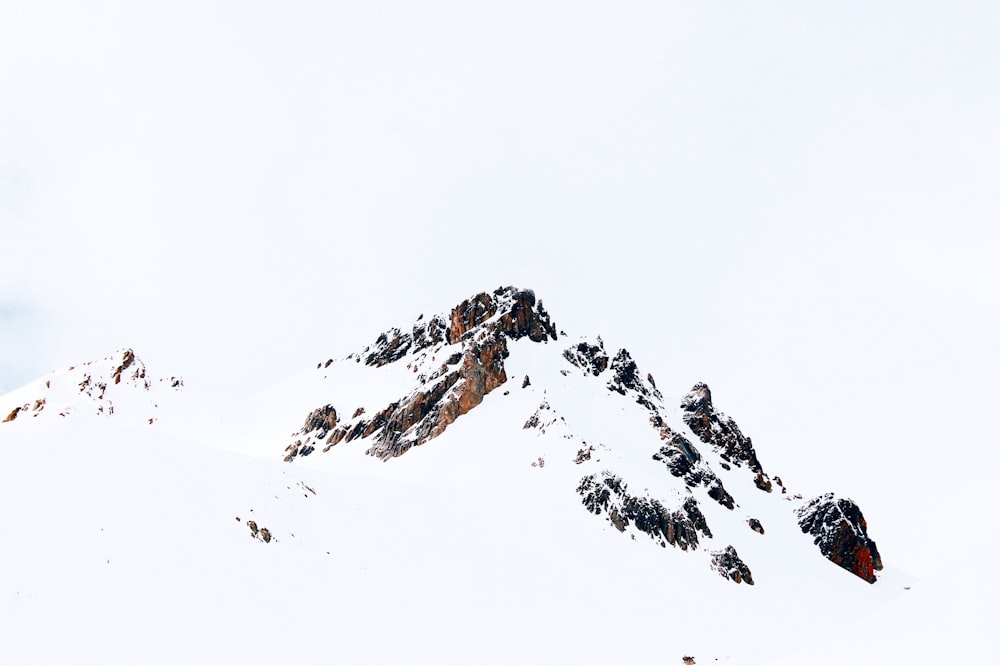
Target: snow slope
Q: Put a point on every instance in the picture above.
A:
(128, 541)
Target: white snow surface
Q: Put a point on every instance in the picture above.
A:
(126, 541)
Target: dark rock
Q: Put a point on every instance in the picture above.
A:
(589, 358)
(626, 378)
(840, 531)
(762, 482)
(756, 526)
(728, 563)
(717, 429)
(389, 347)
(606, 493)
(684, 462)
(430, 333)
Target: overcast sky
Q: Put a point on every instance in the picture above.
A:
(795, 202)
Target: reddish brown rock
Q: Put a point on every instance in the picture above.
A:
(840, 531)
(481, 325)
(128, 357)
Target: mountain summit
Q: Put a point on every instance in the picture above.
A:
(587, 416)
(476, 478)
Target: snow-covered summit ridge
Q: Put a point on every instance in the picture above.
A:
(115, 385)
(583, 415)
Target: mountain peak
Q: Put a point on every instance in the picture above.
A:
(589, 415)
(101, 387)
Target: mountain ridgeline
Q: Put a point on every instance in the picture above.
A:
(455, 360)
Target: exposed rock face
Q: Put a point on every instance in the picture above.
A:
(684, 462)
(389, 347)
(717, 429)
(425, 414)
(589, 358)
(730, 566)
(840, 531)
(755, 525)
(318, 424)
(521, 315)
(626, 377)
(479, 327)
(322, 420)
(607, 493)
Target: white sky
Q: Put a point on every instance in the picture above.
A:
(794, 202)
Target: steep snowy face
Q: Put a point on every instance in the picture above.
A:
(116, 385)
(586, 417)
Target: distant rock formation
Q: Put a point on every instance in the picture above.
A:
(607, 493)
(93, 385)
(840, 531)
(730, 566)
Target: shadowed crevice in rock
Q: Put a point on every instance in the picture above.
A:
(839, 529)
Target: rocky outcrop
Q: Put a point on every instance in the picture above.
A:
(317, 426)
(717, 429)
(625, 378)
(839, 529)
(755, 525)
(426, 413)
(480, 327)
(389, 347)
(128, 357)
(729, 565)
(606, 493)
(589, 358)
(684, 462)
(520, 315)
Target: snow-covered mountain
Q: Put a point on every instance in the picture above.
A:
(479, 487)
(585, 416)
